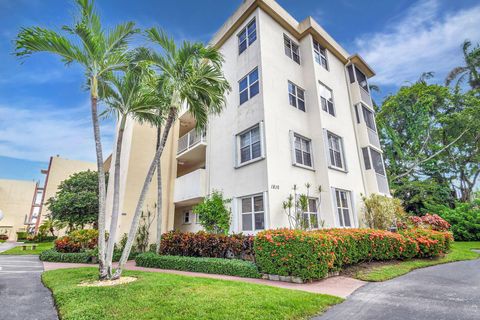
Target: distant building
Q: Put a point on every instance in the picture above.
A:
(15, 203)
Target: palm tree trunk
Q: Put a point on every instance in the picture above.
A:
(101, 179)
(116, 198)
(138, 210)
(159, 195)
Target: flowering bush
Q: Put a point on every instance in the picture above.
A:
(312, 254)
(76, 241)
(430, 221)
(209, 245)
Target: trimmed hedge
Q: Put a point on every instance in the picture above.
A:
(54, 256)
(231, 267)
(312, 254)
(208, 245)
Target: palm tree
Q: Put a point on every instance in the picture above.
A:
(130, 96)
(51, 225)
(99, 52)
(190, 75)
(470, 69)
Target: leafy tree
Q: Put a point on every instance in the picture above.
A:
(213, 213)
(469, 71)
(418, 195)
(188, 75)
(99, 52)
(50, 225)
(76, 201)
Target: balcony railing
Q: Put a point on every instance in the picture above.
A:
(373, 138)
(365, 96)
(189, 140)
(382, 183)
(190, 186)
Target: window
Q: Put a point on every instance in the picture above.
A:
(361, 79)
(253, 214)
(302, 151)
(369, 118)
(335, 148)
(366, 159)
(377, 162)
(357, 114)
(342, 199)
(296, 96)
(247, 36)
(186, 217)
(320, 54)
(326, 97)
(350, 73)
(291, 49)
(310, 217)
(250, 144)
(249, 86)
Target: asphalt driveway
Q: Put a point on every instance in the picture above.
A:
(450, 291)
(22, 294)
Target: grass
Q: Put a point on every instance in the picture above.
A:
(459, 251)
(40, 248)
(166, 296)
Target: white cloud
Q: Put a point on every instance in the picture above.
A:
(423, 40)
(36, 134)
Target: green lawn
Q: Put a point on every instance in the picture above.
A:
(460, 251)
(40, 248)
(165, 296)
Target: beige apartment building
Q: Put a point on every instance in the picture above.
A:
(15, 204)
(59, 169)
(300, 112)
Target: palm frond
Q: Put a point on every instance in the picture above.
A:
(454, 73)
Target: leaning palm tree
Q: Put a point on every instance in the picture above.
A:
(99, 52)
(128, 96)
(190, 75)
(471, 68)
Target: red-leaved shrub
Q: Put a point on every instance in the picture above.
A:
(430, 221)
(209, 245)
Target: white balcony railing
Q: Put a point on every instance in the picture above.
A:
(382, 183)
(373, 138)
(189, 140)
(190, 186)
(365, 96)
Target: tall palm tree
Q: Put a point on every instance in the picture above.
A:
(99, 52)
(130, 96)
(190, 75)
(471, 68)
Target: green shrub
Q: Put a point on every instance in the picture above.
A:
(22, 235)
(232, 267)
(312, 254)
(464, 220)
(381, 212)
(213, 213)
(54, 256)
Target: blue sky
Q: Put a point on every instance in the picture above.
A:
(44, 109)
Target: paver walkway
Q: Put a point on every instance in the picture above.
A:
(22, 294)
(336, 286)
(444, 292)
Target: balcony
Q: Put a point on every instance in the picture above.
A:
(373, 138)
(365, 96)
(192, 148)
(190, 140)
(190, 188)
(382, 184)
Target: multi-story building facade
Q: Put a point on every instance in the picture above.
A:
(300, 112)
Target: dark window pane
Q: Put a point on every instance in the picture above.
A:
(247, 222)
(293, 100)
(256, 150)
(254, 89)
(314, 221)
(377, 162)
(259, 221)
(242, 47)
(350, 74)
(369, 118)
(245, 139)
(243, 84)
(253, 76)
(300, 94)
(331, 110)
(243, 96)
(251, 38)
(366, 159)
(291, 88)
(324, 104)
(340, 217)
(242, 36)
(312, 205)
(255, 134)
(245, 154)
(346, 217)
(246, 205)
(301, 105)
(356, 114)
(258, 203)
(332, 157)
(307, 160)
(298, 156)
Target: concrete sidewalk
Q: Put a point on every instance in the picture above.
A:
(8, 245)
(335, 286)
